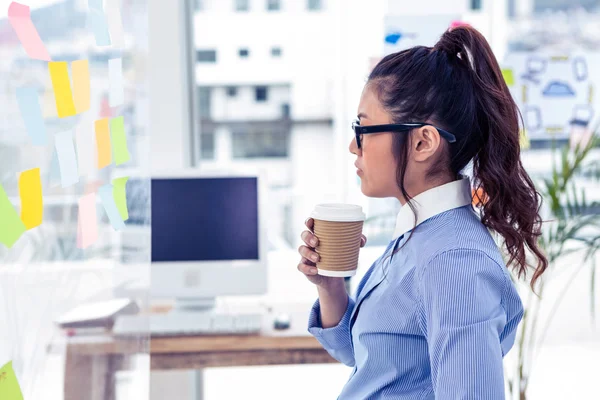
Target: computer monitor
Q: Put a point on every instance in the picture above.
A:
(208, 237)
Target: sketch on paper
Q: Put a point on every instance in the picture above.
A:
(553, 92)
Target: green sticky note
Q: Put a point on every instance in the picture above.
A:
(120, 195)
(11, 226)
(9, 386)
(119, 141)
(509, 76)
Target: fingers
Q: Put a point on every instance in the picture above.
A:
(310, 239)
(310, 223)
(307, 269)
(307, 253)
(363, 241)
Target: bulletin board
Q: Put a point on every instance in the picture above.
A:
(73, 134)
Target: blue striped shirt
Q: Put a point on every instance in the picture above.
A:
(434, 321)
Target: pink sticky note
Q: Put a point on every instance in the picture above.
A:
(455, 24)
(87, 225)
(20, 19)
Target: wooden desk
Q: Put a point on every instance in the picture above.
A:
(93, 361)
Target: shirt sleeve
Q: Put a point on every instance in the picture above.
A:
(462, 315)
(336, 340)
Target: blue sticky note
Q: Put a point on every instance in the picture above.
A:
(99, 23)
(108, 202)
(67, 158)
(31, 111)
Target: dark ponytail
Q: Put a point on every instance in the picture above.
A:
(458, 85)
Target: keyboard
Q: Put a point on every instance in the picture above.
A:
(187, 324)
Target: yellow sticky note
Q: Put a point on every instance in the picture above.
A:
(9, 385)
(524, 139)
(30, 190)
(63, 96)
(81, 85)
(509, 76)
(103, 143)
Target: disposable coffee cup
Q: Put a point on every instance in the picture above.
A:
(339, 229)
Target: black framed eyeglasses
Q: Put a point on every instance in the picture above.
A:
(405, 127)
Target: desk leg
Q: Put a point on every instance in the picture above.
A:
(90, 377)
(198, 384)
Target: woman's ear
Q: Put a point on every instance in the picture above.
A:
(424, 142)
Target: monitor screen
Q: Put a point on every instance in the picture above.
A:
(204, 219)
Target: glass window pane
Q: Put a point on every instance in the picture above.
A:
(315, 4)
(276, 51)
(266, 143)
(207, 145)
(273, 5)
(206, 56)
(476, 4)
(204, 101)
(242, 5)
(261, 93)
(232, 91)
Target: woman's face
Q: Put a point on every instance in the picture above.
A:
(376, 163)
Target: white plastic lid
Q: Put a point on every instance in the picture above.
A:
(338, 212)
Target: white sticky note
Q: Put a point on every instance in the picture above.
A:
(86, 154)
(115, 22)
(116, 93)
(67, 159)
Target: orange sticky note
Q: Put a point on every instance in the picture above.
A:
(30, 190)
(81, 85)
(103, 143)
(59, 74)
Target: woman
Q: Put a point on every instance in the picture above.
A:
(435, 315)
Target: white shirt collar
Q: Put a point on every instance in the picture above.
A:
(433, 202)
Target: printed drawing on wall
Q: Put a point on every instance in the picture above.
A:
(555, 93)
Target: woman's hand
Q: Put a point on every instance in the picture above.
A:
(308, 261)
